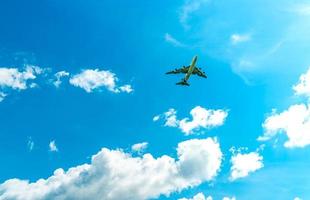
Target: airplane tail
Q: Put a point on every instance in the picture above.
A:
(183, 82)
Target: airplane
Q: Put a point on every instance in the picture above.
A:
(188, 71)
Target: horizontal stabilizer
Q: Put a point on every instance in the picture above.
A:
(183, 82)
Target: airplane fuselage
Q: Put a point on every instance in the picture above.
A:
(191, 68)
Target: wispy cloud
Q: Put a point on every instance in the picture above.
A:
(58, 76)
(301, 9)
(239, 38)
(30, 144)
(126, 88)
(52, 146)
(188, 8)
(139, 147)
(2, 96)
(170, 39)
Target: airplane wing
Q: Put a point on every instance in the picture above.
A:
(197, 71)
(182, 70)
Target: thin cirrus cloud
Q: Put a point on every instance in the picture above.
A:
(293, 122)
(201, 118)
(244, 163)
(239, 38)
(170, 39)
(30, 144)
(188, 8)
(281, 33)
(114, 175)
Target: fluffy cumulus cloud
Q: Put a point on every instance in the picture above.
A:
(92, 79)
(198, 196)
(293, 122)
(201, 118)
(244, 163)
(15, 79)
(58, 76)
(139, 147)
(171, 118)
(114, 174)
(303, 86)
(201, 196)
(126, 88)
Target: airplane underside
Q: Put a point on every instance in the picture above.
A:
(183, 82)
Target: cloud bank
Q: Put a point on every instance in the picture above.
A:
(114, 175)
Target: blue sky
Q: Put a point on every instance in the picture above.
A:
(111, 58)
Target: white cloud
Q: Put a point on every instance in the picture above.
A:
(245, 163)
(171, 118)
(114, 175)
(228, 198)
(139, 147)
(90, 79)
(18, 80)
(52, 146)
(303, 86)
(188, 8)
(2, 96)
(201, 118)
(126, 88)
(156, 118)
(198, 196)
(170, 39)
(297, 198)
(294, 122)
(59, 75)
(239, 38)
(30, 144)
(201, 196)
(14, 79)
